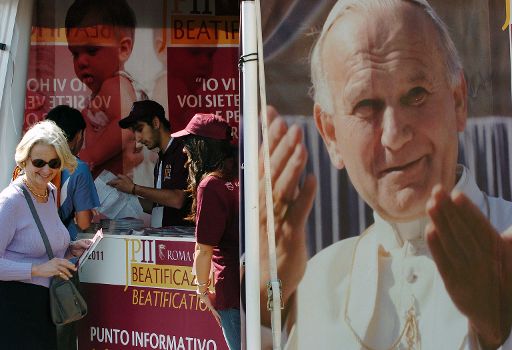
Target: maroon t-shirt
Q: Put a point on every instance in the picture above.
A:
(217, 225)
(174, 176)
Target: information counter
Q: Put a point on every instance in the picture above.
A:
(141, 295)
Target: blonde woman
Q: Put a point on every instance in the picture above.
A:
(25, 270)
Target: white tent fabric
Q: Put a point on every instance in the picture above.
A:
(8, 9)
(15, 27)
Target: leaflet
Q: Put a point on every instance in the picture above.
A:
(94, 242)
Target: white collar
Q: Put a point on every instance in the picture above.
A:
(168, 145)
(365, 269)
(392, 235)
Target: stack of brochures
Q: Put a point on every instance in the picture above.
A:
(170, 231)
(121, 226)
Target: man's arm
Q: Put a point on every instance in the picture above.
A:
(169, 198)
(475, 263)
(85, 198)
(292, 204)
(83, 219)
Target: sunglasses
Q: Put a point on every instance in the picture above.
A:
(52, 163)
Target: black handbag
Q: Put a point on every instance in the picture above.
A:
(66, 303)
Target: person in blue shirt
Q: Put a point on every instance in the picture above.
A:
(78, 196)
(77, 193)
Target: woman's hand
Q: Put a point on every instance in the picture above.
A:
(77, 248)
(208, 299)
(55, 267)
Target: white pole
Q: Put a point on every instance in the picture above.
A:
(7, 22)
(274, 282)
(509, 14)
(251, 178)
(15, 30)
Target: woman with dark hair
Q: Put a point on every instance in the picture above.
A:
(214, 187)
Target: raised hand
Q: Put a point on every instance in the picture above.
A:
(475, 263)
(292, 205)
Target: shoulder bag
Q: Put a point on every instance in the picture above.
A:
(66, 303)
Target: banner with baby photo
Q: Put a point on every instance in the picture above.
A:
(386, 103)
(101, 56)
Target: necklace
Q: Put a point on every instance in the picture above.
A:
(410, 329)
(41, 196)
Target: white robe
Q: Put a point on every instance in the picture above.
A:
(391, 269)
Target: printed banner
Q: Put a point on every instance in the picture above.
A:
(141, 294)
(182, 54)
(383, 101)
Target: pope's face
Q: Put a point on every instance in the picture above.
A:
(396, 116)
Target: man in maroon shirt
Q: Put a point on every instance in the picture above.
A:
(151, 128)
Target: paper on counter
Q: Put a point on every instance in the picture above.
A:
(113, 203)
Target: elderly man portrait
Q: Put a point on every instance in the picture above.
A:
(434, 271)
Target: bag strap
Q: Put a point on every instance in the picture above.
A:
(49, 250)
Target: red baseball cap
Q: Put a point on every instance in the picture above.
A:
(206, 125)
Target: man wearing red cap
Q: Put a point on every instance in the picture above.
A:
(151, 128)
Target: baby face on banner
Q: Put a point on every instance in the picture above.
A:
(99, 52)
